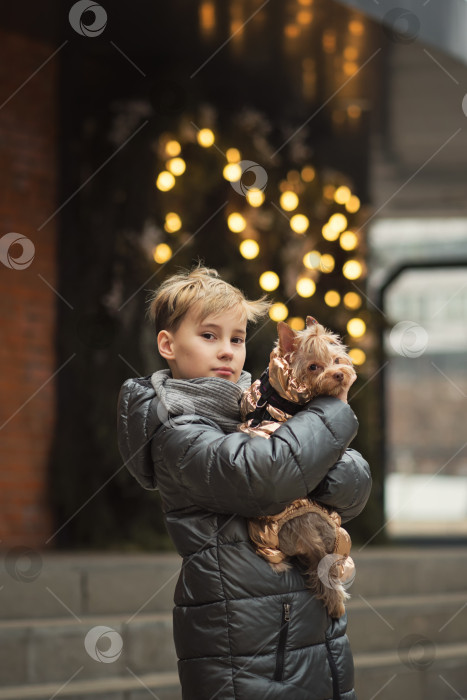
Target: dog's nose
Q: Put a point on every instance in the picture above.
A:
(339, 376)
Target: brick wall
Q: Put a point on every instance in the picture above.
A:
(28, 133)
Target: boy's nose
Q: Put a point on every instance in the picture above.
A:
(225, 350)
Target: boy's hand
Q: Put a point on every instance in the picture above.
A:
(342, 395)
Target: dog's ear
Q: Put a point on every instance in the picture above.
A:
(286, 337)
(310, 321)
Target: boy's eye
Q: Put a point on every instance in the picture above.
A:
(205, 334)
(240, 340)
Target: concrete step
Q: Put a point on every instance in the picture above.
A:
(417, 676)
(40, 651)
(164, 686)
(106, 584)
(51, 650)
(380, 624)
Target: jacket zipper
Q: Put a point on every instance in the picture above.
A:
(334, 673)
(279, 672)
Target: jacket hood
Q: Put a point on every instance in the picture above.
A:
(137, 421)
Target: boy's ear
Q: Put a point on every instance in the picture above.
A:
(286, 337)
(164, 344)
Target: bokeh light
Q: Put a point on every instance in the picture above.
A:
(356, 327)
(165, 181)
(348, 240)
(269, 281)
(172, 148)
(311, 259)
(255, 197)
(305, 287)
(299, 223)
(249, 248)
(352, 300)
(177, 166)
(162, 253)
(236, 222)
(173, 222)
(288, 201)
(357, 356)
(278, 312)
(332, 298)
(205, 137)
(352, 269)
(327, 263)
(232, 172)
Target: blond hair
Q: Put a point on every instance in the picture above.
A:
(170, 302)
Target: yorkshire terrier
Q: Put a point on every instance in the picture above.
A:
(303, 365)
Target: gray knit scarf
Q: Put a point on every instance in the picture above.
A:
(210, 397)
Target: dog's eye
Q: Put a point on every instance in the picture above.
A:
(313, 367)
(337, 361)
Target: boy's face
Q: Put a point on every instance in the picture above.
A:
(204, 349)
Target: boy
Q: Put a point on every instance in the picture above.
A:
(241, 631)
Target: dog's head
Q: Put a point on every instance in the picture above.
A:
(316, 356)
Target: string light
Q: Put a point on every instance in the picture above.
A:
(352, 300)
(327, 263)
(305, 287)
(232, 172)
(356, 327)
(162, 253)
(338, 222)
(278, 312)
(177, 166)
(352, 269)
(165, 181)
(332, 298)
(172, 148)
(255, 197)
(297, 323)
(329, 233)
(308, 173)
(173, 222)
(328, 192)
(299, 223)
(205, 138)
(269, 281)
(357, 356)
(312, 259)
(348, 240)
(342, 194)
(249, 248)
(353, 205)
(236, 222)
(288, 201)
(233, 155)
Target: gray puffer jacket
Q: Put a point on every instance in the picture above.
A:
(242, 631)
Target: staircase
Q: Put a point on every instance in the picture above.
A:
(407, 626)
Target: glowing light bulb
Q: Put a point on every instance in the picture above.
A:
(348, 240)
(297, 323)
(353, 205)
(352, 269)
(249, 248)
(357, 356)
(332, 298)
(177, 166)
(308, 173)
(342, 194)
(172, 148)
(162, 253)
(299, 223)
(356, 327)
(232, 172)
(338, 222)
(311, 259)
(205, 137)
(278, 312)
(327, 263)
(288, 201)
(165, 181)
(172, 222)
(352, 300)
(305, 287)
(255, 197)
(329, 233)
(269, 281)
(236, 222)
(233, 155)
